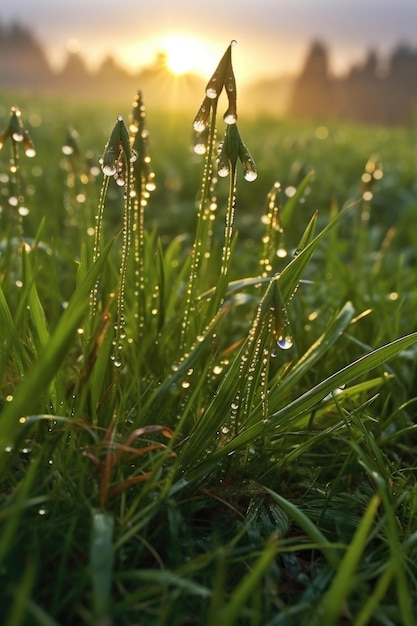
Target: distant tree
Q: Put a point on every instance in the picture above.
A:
(365, 94)
(111, 76)
(313, 92)
(22, 60)
(362, 92)
(75, 68)
(401, 83)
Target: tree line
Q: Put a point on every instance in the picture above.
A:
(371, 91)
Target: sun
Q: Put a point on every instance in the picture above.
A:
(185, 54)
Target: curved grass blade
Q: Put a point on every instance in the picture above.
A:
(307, 526)
(313, 354)
(344, 376)
(35, 308)
(290, 205)
(27, 395)
(305, 403)
(11, 345)
(239, 597)
(330, 608)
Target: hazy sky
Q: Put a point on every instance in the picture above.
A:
(273, 35)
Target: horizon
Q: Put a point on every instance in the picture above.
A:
(175, 62)
(276, 46)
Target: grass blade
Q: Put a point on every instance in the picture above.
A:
(338, 592)
(239, 597)
(346, 375)
(101, 562)
(309, 527)
(27, 396)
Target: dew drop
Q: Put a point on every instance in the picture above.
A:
(223, 171)
(230, 118)
(199, 126)
(109, 170)
(200, 148)
(173, 389)
(233, 42)
(285, 342)
(251, 175)
(115, 360)
(211, 93)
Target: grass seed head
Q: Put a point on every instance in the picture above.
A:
(231, 149)
(18, 133)
(72, 145)
(142, 165)
(118, 153)
(223, 77)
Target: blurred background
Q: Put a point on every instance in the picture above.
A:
(315, 59)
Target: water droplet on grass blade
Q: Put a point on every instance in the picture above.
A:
(116, 362)
(223, 171)
(285, 342)
(211, 93)
(199, 126)
(230, 118)
(251, 175)
(109, 170)
(174, 389)
(200, 148)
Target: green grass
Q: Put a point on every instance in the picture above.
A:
(193, 428)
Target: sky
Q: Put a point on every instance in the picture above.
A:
(273, 35)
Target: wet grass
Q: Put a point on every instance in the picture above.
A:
(208, 388)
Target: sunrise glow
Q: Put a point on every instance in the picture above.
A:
(186, 54)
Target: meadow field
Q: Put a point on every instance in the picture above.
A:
(208, 368)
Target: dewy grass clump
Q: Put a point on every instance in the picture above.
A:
(17, 135)
(230, 150)
(237, 448)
